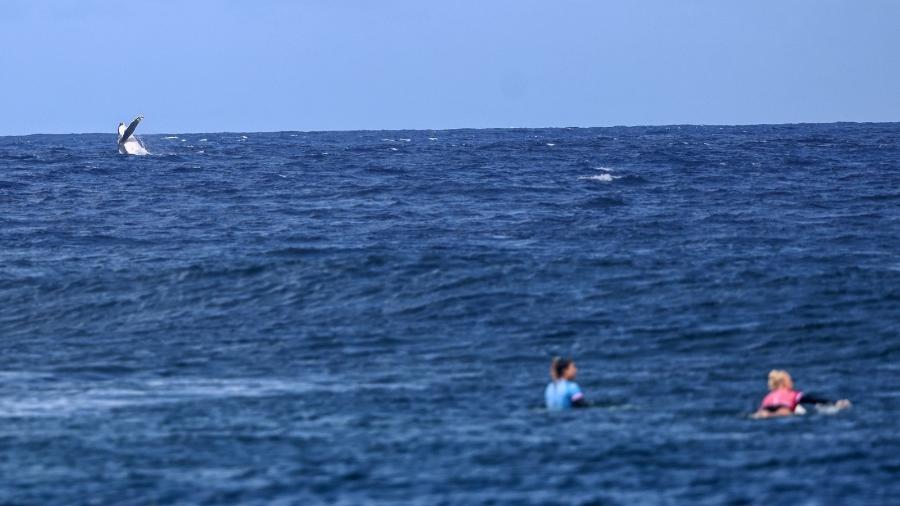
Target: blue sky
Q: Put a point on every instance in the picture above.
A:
(267, 65)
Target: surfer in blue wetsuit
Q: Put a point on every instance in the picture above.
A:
(563, 393)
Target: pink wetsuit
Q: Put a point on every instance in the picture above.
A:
(781, 398)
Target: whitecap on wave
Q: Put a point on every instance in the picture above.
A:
(606, 178)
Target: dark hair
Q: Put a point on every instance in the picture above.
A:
(558, 367)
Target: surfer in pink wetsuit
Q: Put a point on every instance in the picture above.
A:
(783, 400)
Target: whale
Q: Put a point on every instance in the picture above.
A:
(128, 143)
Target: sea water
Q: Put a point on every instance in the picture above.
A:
(369, 317)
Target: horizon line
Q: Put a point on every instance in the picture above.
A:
(571, 127)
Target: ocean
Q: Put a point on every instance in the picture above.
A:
(369, 317)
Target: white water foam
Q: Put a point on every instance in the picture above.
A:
(93, 397)
(606, 178)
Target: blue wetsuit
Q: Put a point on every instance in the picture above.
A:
(563, 394)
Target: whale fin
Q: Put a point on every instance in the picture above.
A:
(131, 128)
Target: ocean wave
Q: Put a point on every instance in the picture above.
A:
(605, 178)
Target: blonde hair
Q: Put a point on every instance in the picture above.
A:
(778, 378)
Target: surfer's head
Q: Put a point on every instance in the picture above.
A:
(780, 379)
(563, 368)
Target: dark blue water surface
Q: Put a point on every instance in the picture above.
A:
(368, 317)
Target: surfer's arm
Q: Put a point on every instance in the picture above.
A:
(814, 399)
(131, 128)
(823, 403)
(578, 400)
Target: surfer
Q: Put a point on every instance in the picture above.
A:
(128, 143)
(783, 400)
(562, 392)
